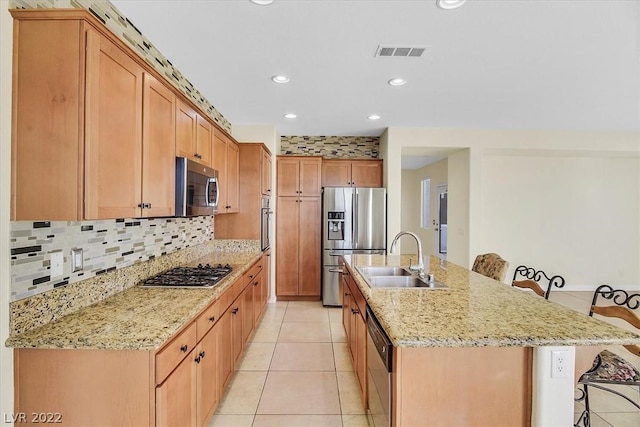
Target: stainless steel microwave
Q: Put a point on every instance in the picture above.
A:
(197, 188)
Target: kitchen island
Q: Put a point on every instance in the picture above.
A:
(474, 353)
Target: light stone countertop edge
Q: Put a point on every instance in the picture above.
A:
(475, 311)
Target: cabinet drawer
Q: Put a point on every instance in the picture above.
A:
(253, 272)
(207, 319)
(173, 353)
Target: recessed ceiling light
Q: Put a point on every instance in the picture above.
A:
(449, 4)
(280, 79)
(290, 116)
(397, 81)
(262, 2)
(374, 117)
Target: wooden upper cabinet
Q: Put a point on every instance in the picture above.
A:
(204, 138)
(288, 176)
(47, 140)
(366, 173)
(158, 148)
(113, 131)
(185, 130)
(226, 160)
(352, 173)
(233, 177)
(299, 176)
(336, 173)
(266, 173)
(194, 135)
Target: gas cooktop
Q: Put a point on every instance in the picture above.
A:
(200, 277)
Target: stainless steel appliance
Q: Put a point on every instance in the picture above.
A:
(196, 188)
(202, 276)
(379, 367)
(265, 215)
(353, 221)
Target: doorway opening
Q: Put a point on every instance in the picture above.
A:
(442, 193)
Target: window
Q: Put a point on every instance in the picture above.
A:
(426, 202)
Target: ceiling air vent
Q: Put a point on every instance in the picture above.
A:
(405, 51)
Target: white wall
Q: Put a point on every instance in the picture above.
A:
(573, 216)
(608, 161)
(268, 135)
(6, 354)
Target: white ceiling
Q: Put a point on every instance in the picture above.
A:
(510, 64)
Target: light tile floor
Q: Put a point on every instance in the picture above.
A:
(296, 372)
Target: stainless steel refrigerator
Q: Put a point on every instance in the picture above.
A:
(354, 220)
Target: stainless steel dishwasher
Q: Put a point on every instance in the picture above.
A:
(379, 350)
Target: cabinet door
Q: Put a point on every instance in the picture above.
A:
(207, 390)
(233, 177)
(366, 173)
(346, 306)
(309, 242)
(336, 173)
(361, 354)
(220, 164)
(224, 356)
(288, 177)
(47, 156)
(247, 312)
(176, 397)
(237, 337)
(113, 131)
(204, 132)
(287, 227)
(310, 177)
(258, 296)
(158, 148)
(185, 131)
(266, 173)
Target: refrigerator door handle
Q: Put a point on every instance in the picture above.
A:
(354, 211)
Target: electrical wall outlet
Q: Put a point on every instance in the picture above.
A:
(57, 264)
(77, 260)
(559, 363)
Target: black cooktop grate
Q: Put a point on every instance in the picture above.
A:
(202, 276)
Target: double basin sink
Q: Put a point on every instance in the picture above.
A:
(396, 277)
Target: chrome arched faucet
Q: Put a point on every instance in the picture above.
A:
(419, 267)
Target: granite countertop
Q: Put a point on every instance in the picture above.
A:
(475, 311)
(137, 318)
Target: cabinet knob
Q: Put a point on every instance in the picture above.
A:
(235, 310)
(355, 311)
(184, 348)
(212, 319)
(197, 359)
(202, 354)
(255, 284)
(141, 205)
(147, 205)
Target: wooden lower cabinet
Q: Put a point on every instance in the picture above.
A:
(180, 384)
(176, 398)
(353, 320)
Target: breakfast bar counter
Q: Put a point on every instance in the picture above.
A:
(475, 311)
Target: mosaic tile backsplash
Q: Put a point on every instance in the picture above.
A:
(107, 245)
(123, 28)
(352, 147)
